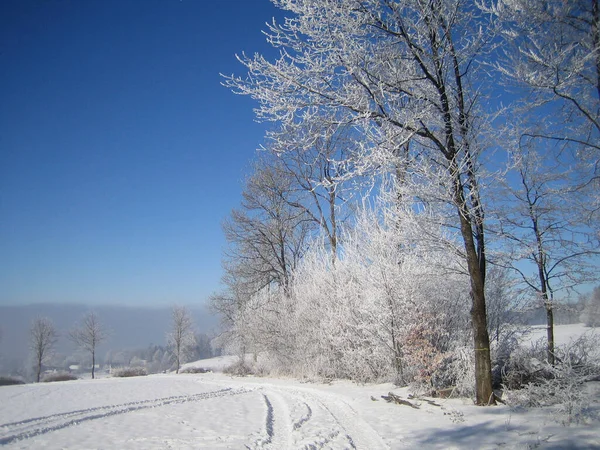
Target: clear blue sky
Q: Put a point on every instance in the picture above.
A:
(120, 152)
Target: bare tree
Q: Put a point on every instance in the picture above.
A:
(89, 335)
(43, 337)
(399, 71)
(266, 234)
(543, 228)
(181, 338)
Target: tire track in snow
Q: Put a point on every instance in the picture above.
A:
(311, 420)
(29, 428)
(97, 408)
(352, 429)
(269, 419)
(318, 420)
(277, 426)
(330, 434)
(305, 418)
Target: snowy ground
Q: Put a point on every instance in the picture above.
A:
(214, 411)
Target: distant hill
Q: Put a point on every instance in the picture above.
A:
(130, 327)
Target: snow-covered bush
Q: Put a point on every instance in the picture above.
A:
(239, 368)
(126, 372)
(531, 381)
(524, 365)
(458, 372)
(194, 370)
(59, 376)
(502, 349)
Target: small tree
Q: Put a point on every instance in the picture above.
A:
(89, 335)
(591, 313)
(181, 339)
(543, 228)
(43, 337)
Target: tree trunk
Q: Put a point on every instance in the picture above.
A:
(550, 331)
(484, 395)
(541, 263)
(39, 369)
(332, 218)
(93, 363)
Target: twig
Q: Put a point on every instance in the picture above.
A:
(391, 397)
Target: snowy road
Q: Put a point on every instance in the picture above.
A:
(215, 412)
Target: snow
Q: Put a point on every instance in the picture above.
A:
(563, 334)
(212, 364)
(214, 410)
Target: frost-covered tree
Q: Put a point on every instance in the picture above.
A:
(551, 57)
(551, 52)
(547, 240)
(202, 349)
(397, 72)
(591, 312)
(181, 339)
(383, 310)
(88, 335)
(314, 160)
(502, 301)
(42, 338)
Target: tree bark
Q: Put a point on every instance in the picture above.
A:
(484, 394)
(39, 367)
(550, 332)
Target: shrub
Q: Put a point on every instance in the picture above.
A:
(532, 382)
(525, 365)
(458, 375)
(239, 369)
(194, 370)
(10, 381)
(130, 372)
(59, 376)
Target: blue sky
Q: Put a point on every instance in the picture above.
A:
(120, 152)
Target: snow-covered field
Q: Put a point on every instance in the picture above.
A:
(214, 410)
(563, 334)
